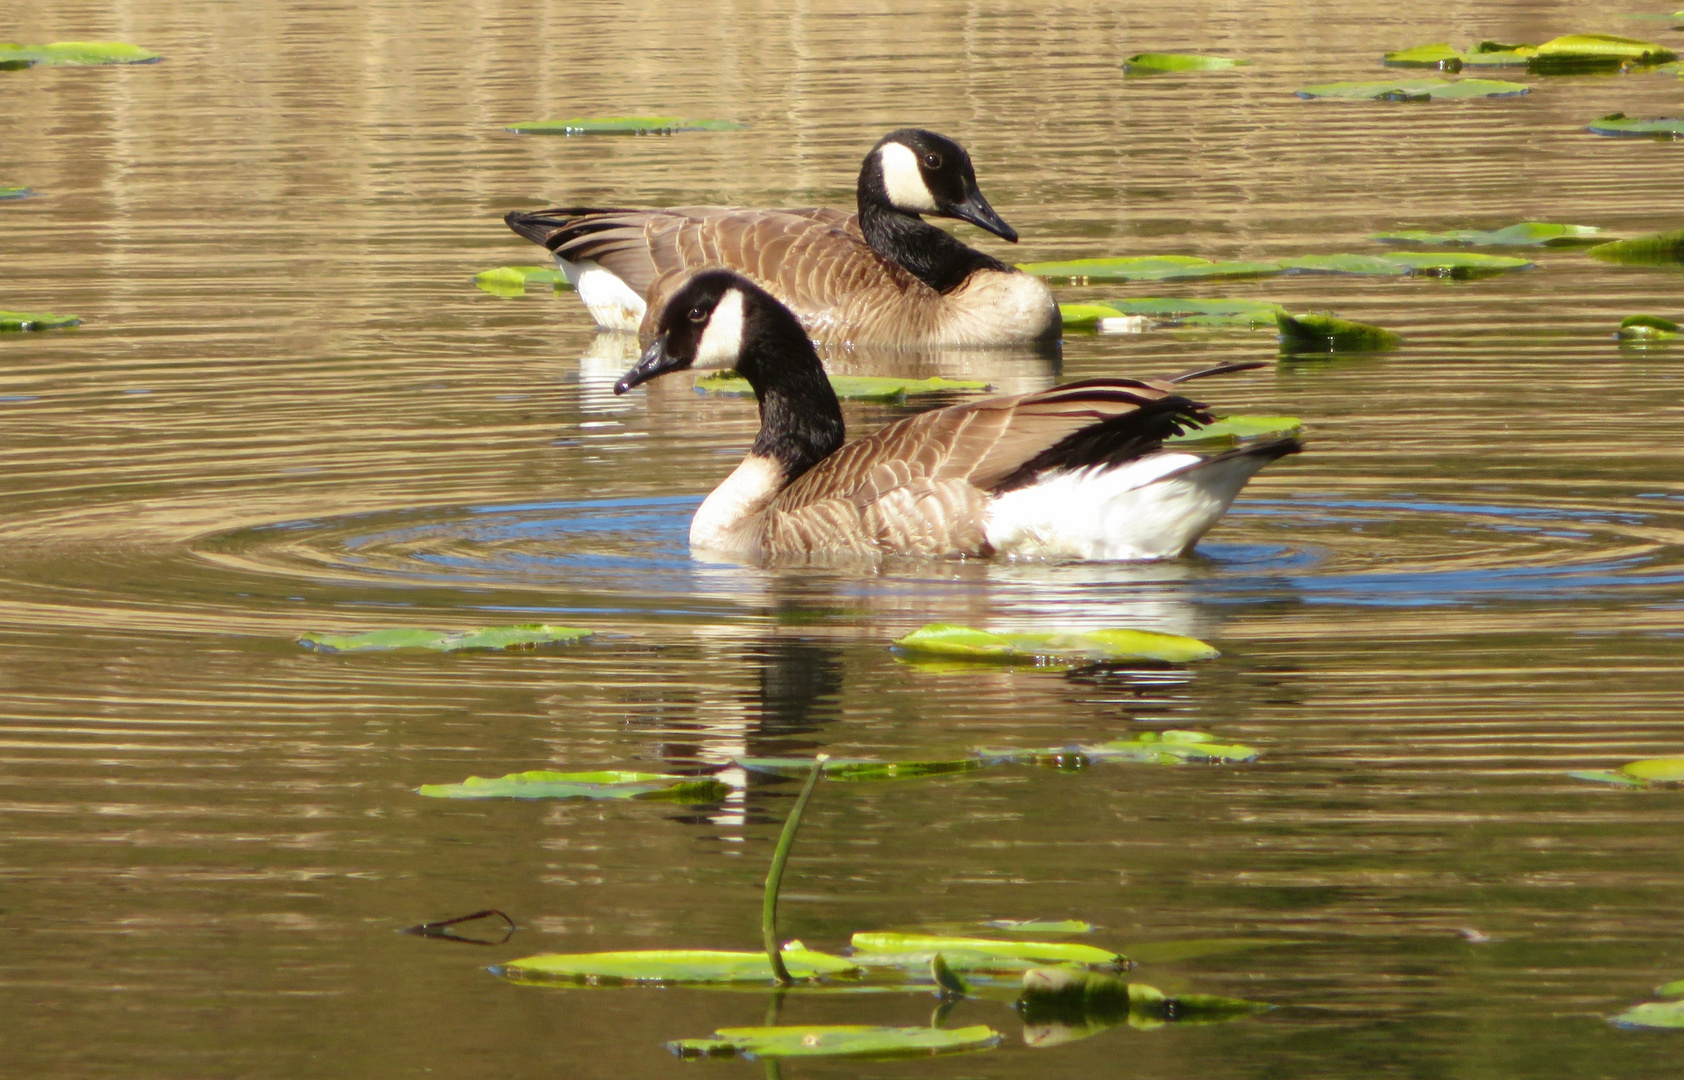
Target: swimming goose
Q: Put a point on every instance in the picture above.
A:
(1074, 472)
(882, 277)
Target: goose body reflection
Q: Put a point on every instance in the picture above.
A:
(882, 277)
(1074, 472)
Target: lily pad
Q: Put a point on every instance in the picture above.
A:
(1148, 747)
(1162, 63)
(1619, 124)
(1181, 311)
(962, 952)
(1233, 429)
(1457, 264)
(947, 640)
(1328, 333)
(1073, 994)
(1652, 1014)
(15, 193)
(837, 1040)
(857, 768)
(529, 636)
(1671, 989)
(671, 966)
(1438, 55)
(1041, 926)
(1415, 90)
(1146, 268)
(74, 53)
(622, 125)
(1084, 316)
(35, 320)
(1655, 249)
(1376, 265)
(513, 280)
(1665, 772)
(1576, 53)
(1648, 328)
(852, 387)
(606, 784)
(1523, 234)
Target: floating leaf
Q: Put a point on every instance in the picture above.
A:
(15, 193)
(513, 280)
(68, 53)
(1438, 55)
(1575, 53)
(1146, 268)
(1232, 429)
(607, 784)
(1671, 989)
(1161, 63)
(1415, 90)
(528, 636)
(35, 320)
(621, 125)
(1457, 264)
(1652, 1014)
(1075, 996)
(852, 387)
(671, 966)
(963, 952)
(1655, 249)
(1328, 333)
(1445, 58)
(947, 640)
(1645, 772)
(1524, 234)
(836, 1040)
(1084, 316)
(1182, 311)
(1619, 124)
(857, 768)
(1041, 926)
(1378, 265)
(1148, 747)
(1648, 328)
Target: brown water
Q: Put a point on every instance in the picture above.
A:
(289, 409)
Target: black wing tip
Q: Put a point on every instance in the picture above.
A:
(1219, 369)
(539, 225)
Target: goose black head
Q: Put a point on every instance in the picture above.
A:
(716, 321)
(919, 172)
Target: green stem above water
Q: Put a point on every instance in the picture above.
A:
(775, 874)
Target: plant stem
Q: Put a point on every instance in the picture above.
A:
(775, 874)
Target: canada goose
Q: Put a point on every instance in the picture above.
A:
(1074, 472)
(882, 277)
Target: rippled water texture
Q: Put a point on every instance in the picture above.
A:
(288, 409)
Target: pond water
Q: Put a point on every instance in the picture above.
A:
(289, 409)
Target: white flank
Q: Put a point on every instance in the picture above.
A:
(611, 302)
(740, 497)
(722, 340)
(1134, 511)
(903, 180)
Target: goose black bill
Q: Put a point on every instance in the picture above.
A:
(654, 362)
(975, 209)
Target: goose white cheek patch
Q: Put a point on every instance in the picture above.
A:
(722, 341)
(903, 181)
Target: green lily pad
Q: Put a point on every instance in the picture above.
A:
(15, 193)
(1652, 1014)
(513, 280)
(1438, 55)
(1671, 989)
(947, 640)
(962, 952)
(1041, 926)
(529, 636)
(622, 125)
(1085, 316)
(852, 387)
(1182, 311)
(1146, 268)
(1328, 333)
(1162, 63)
(1648, 328)
(857, 768)
(1234, 429)
(606, 784)
(1523, 234)
(671, 966)
(1147, 747)
(1377, 265)
(80, 53)
(1415, 90)
(1457, 264)
(35, 320)
(1619, 124)
(1645, 772)
(837, 1040)
(1575, 53)
(1071, 994)
(1655, 249)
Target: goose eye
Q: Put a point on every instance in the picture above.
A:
(932, 161)
(698, 314)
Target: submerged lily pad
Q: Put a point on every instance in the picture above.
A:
(947, 640)
(1575, 53)
(1457, 264)
(1648, 328)
(1181, 311)
(15, 193)
(671, 966)
(35, 320)
(513, 280)
(836, 1040)
(1076, 996)
(621, 125)
(857, 768)
(1652, 1014)
(1041, 926)
(74, 53)
(1161, 63)
(966, 952)
(1664, 772)
(1619, 124)
(1328, 333)
(1655, 249)
(1148, 747)
(1415, 90)
(1523, 234)
(1377, 265)
(1233, 429)
(605, 784)
(852, 387)
(1147, 268)
(528, 636)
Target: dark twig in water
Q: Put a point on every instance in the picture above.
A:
(441, 929)
(775, 874)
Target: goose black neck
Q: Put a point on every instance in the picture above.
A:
(937, 259)
(800, 418)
